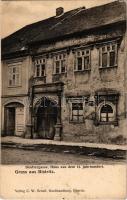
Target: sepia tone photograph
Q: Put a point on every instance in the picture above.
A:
(64, 82)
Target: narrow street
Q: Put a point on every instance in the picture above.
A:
(37, 157)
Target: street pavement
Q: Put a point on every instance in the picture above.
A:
(15, 156)
(25, 151)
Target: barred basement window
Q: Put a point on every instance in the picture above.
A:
(83, 61)
(14, 75)
(60, 63)
(108, 55)
(40, 67)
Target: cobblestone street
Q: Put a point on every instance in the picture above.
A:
(20, 156)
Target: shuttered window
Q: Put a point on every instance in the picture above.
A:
(14, 75)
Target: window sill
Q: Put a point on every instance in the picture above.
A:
(39, 77)
(63, 73)
(14, 86)
(73, 122)
(115, 123)
(85, 70)
(101, 68)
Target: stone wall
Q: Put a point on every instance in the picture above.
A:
(91, 81)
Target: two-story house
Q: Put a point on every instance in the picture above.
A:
(65, 78)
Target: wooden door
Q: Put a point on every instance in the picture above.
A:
(10, 121)
(46, 120)
(19, 125)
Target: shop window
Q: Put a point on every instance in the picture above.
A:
(108, 55)
(40, 67)
(60, 63)
(83, 61)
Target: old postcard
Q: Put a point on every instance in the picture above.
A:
(63, 99)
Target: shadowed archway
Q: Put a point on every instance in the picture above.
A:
(45, 118)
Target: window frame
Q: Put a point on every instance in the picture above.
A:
(83, 54)
(108, 51)
(76, 101)
(113, 106)
(60, 57)
(11, 73)
(40, 62)
(77, 115)
(106, 117)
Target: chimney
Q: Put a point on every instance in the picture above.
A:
(59, 11)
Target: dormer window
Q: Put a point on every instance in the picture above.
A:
(60, 63)
(40, 67)
(108, 55)
(82, 60)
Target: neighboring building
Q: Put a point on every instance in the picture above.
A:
(65, 78)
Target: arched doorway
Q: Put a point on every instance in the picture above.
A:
(14, 119)
(45, 118)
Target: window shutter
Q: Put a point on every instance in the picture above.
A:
(75, 62)
(70, 110)
(17, 79)
(20, 74)
(10, 76)
(65, 62)
(100, 57)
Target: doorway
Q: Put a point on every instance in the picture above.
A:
(10, 121)
(46, 118)
(14, 119)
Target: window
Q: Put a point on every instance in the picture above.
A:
(40, 67)
(76, 107)
(77, 112)
(107, 107)
(60, 63)
(82, 60)
(14, 77)
(106, 113)
(108, 55)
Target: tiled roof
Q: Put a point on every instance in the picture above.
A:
(71, 22)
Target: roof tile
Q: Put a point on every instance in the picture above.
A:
(71, 22)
